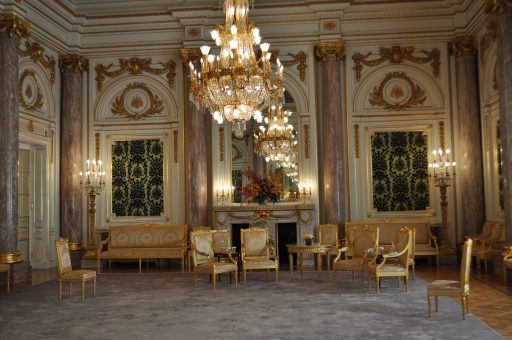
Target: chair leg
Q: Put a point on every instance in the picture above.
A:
(140, 266)
(245, 277)
(60, 290)
(277, 274)
(437, 302)
(467, 304)
(437, 263)
(413, 267)
(236, 278)
(334, 274)
(485, 266)
(83, 290)
(429, 306)
(377, 282)
(98, 265)
(407, 283)
(463, 305)
(214, 280)
(94, 287)
(70, 284)
(328, 262)
(183, 264)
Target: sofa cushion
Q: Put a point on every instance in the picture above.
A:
(146, 253)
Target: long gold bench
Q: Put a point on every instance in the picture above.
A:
(144, 242)
(425, 243)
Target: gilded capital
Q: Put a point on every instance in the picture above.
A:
(496, 6)
(463, 46)
(190, 54)
(330, 49)
(15, 26)
(73, 62)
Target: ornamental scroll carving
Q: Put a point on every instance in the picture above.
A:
(397, 92)
(300, 59)
(397, 55)
(135, 66)
(14, 25)
(137, 102)
(495, 6)
(35, 52)
(30, 95)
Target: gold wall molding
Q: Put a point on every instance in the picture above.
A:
(15, 26)
(97, 145)
(442, 140)
(464, 45)
(35, 52)
(28, 97)
(487, 40)
(73, 62)
(30, 126)
(496, 6)
(334, 49)
(190, 54)
(154, 104)
(306, 141)
(175, 142)
(135, 66)
(221, 144)
(397, 55)
(356, 140)
(416, 94)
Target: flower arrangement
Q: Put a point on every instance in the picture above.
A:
(262, 188)
(308, 238)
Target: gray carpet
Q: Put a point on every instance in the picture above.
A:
(167, 306)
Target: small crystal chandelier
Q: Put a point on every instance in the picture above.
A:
(277, 141)
(236, 85)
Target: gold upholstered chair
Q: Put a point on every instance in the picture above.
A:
(364, 245)
(221, 242)
(328, 235)
(203, 258)
(398, 268)
(451, 288)
(507, 262)
(5, 268)
(256, 251)
(65, 272)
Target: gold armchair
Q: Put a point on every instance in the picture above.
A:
(365, 243)
(65, 272)
(203, 258)
(256, 253)
(221, 242)
(399, 268)
(453, 288)
(507, 262)
(5, 268)
(328, 235)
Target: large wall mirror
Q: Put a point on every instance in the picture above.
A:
(244, 157)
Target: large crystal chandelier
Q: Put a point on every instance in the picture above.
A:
(276, 142)
(236, 84)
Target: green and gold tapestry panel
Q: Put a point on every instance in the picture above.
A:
(138, 177)
(500, 165)
(400, 171)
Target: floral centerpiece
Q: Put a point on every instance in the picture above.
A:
(265, 187)
(308, 239)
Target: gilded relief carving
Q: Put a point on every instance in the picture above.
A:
(334, 49)
(175, 143)
(441, 135)
(462, 46)
(134, 66)
(397, 55)
(139, 108)
(356, 139)
(14, 25)
(97, 144)
(73, 62)
(190, 54)
(221, 144)
(306, 141)
(495, 6)
(35, 52)
(30, 95)
(380, 97)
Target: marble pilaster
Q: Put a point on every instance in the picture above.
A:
(470, 161)
(72, 67)
(12, 28)
(196, 158)
(502, 9)
(333, 188)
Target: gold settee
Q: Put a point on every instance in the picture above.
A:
(145, 242)
(425, 244)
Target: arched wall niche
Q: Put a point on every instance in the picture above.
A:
(35, 90)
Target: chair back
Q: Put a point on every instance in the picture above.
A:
(254, 242)
(201, 227)
(403, 245)
(364, 239)
(465, 265)
(328, 234)
(62, 256)
(412, 250)
(221, 239)
(487, 229)
(201, 241)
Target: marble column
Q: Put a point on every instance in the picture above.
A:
(331, 133)
(502, 10)
(72, 67)
(196, 159)
(12, 28)
(469, 162)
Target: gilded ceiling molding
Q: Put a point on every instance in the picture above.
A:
(464, 45)
(73, 62)
(397, 55)
(35, 52)
(190, 54)
(442, 139)
(306, 141)
(135, 66)
(497, 6)
(97, 145)
(356, 139)
(487, 40)
(221, 144)
(416, 94)
(334, 49)
(175, 142)
(28, 97)
(15, 26)
(154, 104)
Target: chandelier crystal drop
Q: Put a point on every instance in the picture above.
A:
(236, 85)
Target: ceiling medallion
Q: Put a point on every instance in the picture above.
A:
(414, 97)
(139, 108)
(235, 85)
